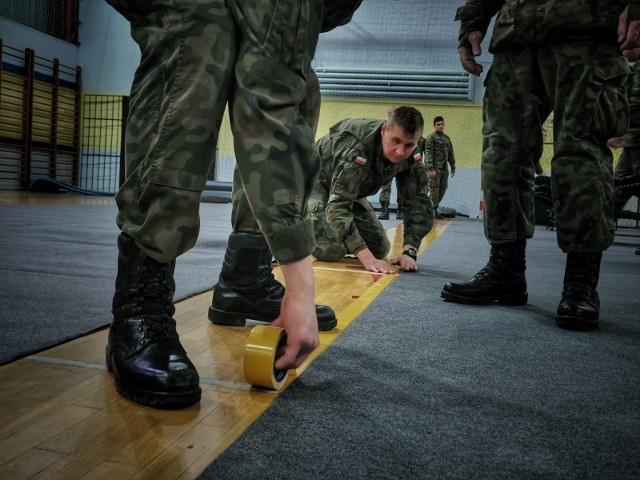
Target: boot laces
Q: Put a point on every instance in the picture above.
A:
(494, 266)
(156, 292)
(580, 286)
(158, 327)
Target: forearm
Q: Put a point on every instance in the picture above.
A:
(475, 16)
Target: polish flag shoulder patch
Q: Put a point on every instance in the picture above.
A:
(361, 161)
(417, 156)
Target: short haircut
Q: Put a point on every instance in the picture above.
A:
(438, 119)
(407, 118)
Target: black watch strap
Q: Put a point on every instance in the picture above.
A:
(411, 252)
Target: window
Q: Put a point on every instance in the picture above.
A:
(58, 18)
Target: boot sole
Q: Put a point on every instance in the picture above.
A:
(228, 319)
(575, 323)
(511, 300)
(162, 400)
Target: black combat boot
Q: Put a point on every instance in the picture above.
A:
(399, 212)
(384, 214)
(247, 288)
(579, 308)
(502, 280)
(144, 352)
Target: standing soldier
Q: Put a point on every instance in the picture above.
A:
(359, 156)
(197, 57)
(438, 153)
(548, 56)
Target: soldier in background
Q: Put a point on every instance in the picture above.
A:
(197, 57)
(358, 156)
(548, 56)
(438, 152)
(385, 201)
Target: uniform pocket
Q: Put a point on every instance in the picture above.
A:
(610, 115)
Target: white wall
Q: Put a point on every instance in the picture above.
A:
(108, 54)
(18, 36)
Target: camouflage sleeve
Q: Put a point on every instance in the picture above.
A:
(475, 16)
(338, 12)
(345, 186)
(452, 158)
(417, 206)
(429, 149)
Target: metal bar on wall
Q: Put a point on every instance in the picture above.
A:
(27, 120)
(77, 140)
(55, 99)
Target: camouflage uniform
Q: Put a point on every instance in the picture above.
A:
(197, 57)
(561, 57)
(437, 153)
(629, 161)
(385, 193)
(353, 168)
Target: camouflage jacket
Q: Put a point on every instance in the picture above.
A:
(438, 151)
(354, 167)
(524, 22)
(338, 12)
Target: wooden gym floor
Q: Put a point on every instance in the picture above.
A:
(61, 417)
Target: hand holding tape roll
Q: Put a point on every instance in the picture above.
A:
(260, 357)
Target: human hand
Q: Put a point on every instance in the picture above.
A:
(453, 173)
(406, 263)
(468, 57)
(372, 263)
(297, 316)
(629, 36)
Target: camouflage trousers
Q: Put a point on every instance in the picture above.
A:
(385, 193)
(328, 247)
(583, 83)
(438, 186)
(197, 58)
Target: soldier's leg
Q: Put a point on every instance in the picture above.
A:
(586, 83)
(399, 201)
(434, 191)
(385, 199)
(274, 143)
(177, 101)
(444, 183)
(328, 247)
(247, 288)
(507, 178)
(370, 228)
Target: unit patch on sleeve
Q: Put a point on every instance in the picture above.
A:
(361, 160)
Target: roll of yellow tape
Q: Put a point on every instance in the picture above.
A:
(260, 357)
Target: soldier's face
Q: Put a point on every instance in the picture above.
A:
(439, 126)
(397, 144)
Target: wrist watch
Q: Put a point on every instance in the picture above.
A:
(411, 252)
